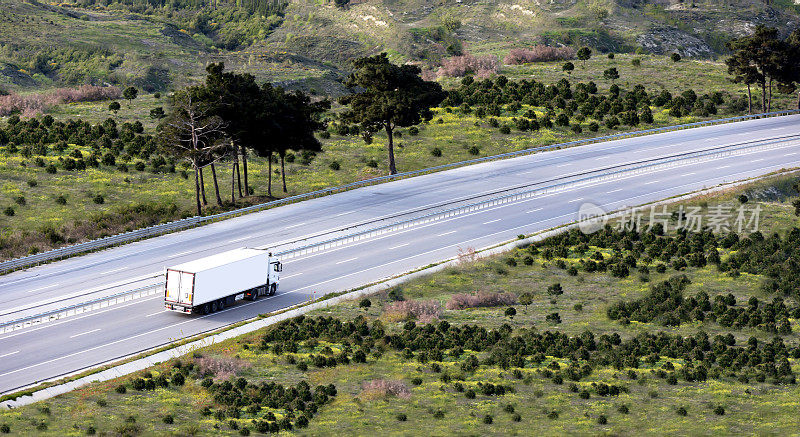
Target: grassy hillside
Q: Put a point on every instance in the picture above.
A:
(415, 359)
(158, 48)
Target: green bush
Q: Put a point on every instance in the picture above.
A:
(437, 152)
(99, 199)
(402, 417)
(168, 419)
(9, 211)
(335, 166)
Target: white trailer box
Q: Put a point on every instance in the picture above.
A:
(209, 284)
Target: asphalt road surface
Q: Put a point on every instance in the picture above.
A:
(55, 349)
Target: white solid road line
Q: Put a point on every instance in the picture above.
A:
(84, 333)
(344, 213)
(724, 166)
(491, 221)
(347, 260)
(614, 191)
(43, 288)
(564, 165)
(113, 271)
(399, 246)
(576, 200)
(688, 174)
(534, 210)
(294, 226)
(758, 160)
(9, 354)
(790, 154)
(239, 239)
(651, 182)
(155, 314)
(446, 233)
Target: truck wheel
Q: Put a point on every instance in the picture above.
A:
(221, 305)
(272, 289)
(204, 309)
(214, 307)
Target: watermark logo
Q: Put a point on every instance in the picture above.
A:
(720, 218)
(591, 218)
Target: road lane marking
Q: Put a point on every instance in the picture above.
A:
(294, 226)
(155, 314)
(291, 276)
(446, 233)
(790, 154)
(724, 166)
(614, 191)
(347, 260)
(84, 333)
(564, 165)
(399, 246)
(651, 182)
(113, 271)
(238, 240)
(43, 288)
(688, 174)
(758, 160)
(534, 210)
(9, 354)
(491, 221)
(180, 254)
(576, 200)
(344, 213)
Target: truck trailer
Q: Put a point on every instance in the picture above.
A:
(210, 284)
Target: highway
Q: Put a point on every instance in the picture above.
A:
(59, 348)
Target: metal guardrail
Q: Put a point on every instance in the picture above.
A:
(627, 170)
(80, 308)
(189, 222)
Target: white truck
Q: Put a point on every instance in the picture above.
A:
(210, 284)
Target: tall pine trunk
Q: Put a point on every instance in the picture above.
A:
(269, 174)
(283, 173)
(197, 189)
(392, 168)
(769, 101)
(244, 169)
(203, 187)
(750, 100)
(233, 182)
(216, 186)
(764, 96)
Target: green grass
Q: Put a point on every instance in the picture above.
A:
(752, 408)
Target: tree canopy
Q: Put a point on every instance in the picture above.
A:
(389, 96)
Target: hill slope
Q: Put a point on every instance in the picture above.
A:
(158, 48)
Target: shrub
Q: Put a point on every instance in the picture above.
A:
(424, 311)
(474, 150)
(719, 410)
(516, 417)
(221, 368)
(51, 169)
(381, 388)
(9, 211)
(439, 414)
(402, 417)
(539, 53)
(623, 409)
(365, 303)
(487, 419)
(99, 199)
(460, 301)
(437, 152)
(33, 183)
(510, 312)
(552, 415)
(505, 130)
(601, 419)
(335, 165)
(413, 131)
(121, 389)
(459, 66)
(5, 428)
(168, 419)
(681, 411)
(20, 200)
(675, 57)
(469, 394)
(416, 381)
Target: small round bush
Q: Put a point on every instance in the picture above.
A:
(470, 394)
(51, 169)
(602, 419)
(416, 381)
(487, 419)
(437, 152)
(168, 419)
(9, 211)
(508, 408)
(623, 409)
(90, 430)
(244, 431)
(102, 402)
(402, 417)
(474, 150)
(439, 414)
(719, 410)
(552, 415)
(5, 428)
(33, 183)
(511, 312)
(516, 417)
(335, 165)
(681, 411)
(99, 199)
(584, 394)
(505, 130)
(365, 303)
